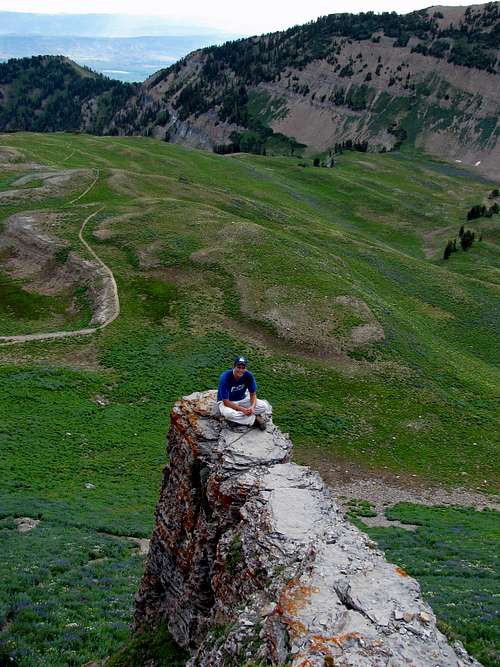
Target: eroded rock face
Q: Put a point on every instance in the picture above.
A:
(251, 561)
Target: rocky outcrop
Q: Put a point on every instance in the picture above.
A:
(251, 561)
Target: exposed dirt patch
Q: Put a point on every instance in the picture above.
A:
(267, 344)
(380, 521)
(356, 305)
(367, 333)
(127, 183)
(53, 183)
(85, 357)
(9, 155)
(103, 232)
(80, 357)
(241, 231)
(207, 255)
(440, 236)
(33, 256)
(149, 255)
(28, 251)
(324, 326)
(120, 182)
(142, 543)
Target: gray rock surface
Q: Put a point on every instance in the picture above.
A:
(251, 560)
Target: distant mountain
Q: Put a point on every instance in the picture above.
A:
(52, 93)
(124, 58)
(368, 81)
(128, 48)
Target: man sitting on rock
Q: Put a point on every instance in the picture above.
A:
(237, 396)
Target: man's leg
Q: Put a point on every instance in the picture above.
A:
(263, 407)
(236, 416)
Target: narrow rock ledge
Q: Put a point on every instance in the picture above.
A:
(250, 560)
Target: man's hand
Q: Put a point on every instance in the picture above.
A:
(248, 411)
(253, 403)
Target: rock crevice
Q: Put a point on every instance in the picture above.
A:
(251, 561)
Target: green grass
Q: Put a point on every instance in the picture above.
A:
(16, 303)
(205, 249)
(264, 108)
(454, 556)
(22, 310)
(359, 508)
(66, 593)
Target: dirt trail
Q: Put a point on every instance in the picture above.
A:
(85, 191)
(115, 312)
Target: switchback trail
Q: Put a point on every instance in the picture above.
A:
(13, 340)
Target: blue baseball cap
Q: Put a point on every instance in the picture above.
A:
(240, 361)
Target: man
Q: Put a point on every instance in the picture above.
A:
(237, 396)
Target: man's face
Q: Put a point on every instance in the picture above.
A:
(239, 370)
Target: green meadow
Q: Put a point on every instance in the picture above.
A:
(299, 268)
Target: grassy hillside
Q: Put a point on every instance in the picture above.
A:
(298, 267)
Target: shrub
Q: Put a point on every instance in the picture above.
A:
(61, 255)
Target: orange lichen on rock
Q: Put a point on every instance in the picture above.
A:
(401, 572)
(185, 430)
(320, 643)
(294, 596)
(217, 496)
(304, 661)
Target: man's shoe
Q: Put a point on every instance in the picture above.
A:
(261, 422)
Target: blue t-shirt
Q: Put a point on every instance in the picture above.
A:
(233, 389)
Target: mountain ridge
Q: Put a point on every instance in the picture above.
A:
(429, 78)
(396, 81)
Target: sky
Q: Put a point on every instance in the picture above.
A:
(240, 16)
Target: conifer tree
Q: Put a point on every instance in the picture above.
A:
(467, 239)
(448, 250)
